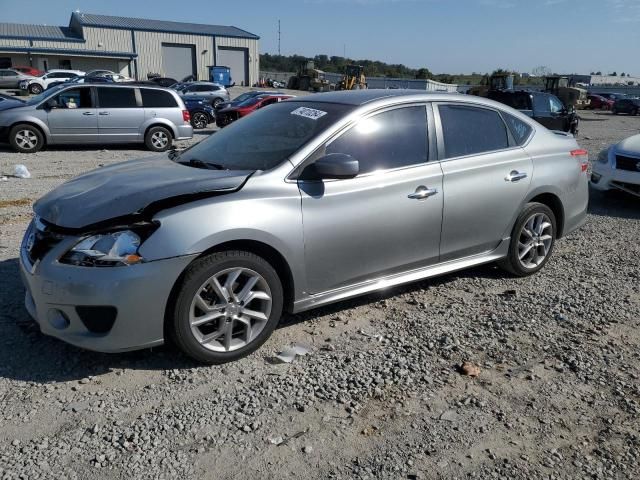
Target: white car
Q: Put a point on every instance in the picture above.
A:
(618, 167)
(37, 85)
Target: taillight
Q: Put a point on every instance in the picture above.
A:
(582, 156)
(186, 116)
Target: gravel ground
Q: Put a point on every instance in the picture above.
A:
(380, 395)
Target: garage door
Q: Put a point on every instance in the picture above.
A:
(237, 59)
(178, 61)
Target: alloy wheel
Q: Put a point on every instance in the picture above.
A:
(230, 309)
(26, 139)
(535, 240)
(159, 139)
(200, 120)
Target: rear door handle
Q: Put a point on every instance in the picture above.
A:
(515, 176)
(88, 113)
(423, 192)
(104, 113)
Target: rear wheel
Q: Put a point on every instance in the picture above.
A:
(35, 89)
(158, 139)
(227, 306)
(532, 240)
(217, 102)
(26, 138)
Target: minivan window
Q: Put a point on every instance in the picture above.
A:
(469, 130)
(117, 97)
(157, 98)
(266, 138)
(73, 98)
(392, 139)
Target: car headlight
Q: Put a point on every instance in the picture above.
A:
(113, 249)
(603, 156)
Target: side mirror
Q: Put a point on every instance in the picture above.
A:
(335, 166)
(49, 105)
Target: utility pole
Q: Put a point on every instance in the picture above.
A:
(279, 37)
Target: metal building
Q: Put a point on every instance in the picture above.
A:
(132, 46)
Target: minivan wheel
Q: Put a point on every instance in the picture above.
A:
(35, 89)
(158, 139)
(227, 306)
(26, 138)
(532, 240)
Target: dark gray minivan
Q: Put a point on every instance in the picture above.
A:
(97, 114)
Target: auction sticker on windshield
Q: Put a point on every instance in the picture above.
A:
(311, 113)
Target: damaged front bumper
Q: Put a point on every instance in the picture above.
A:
(105, 309)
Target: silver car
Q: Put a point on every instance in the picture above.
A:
(97, 114)
(10, 78)
(216, 92)
(304, 203)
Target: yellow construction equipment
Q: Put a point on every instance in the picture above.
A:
(567, 92)
(308, 78)
(353, 78)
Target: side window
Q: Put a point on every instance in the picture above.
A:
(11, 74)
(74, 98)
(470, 130)
(541, 104)
(556, 105)
(519, 129)
(202, 88)
(392, 139)
(157, 99)
(117, 97)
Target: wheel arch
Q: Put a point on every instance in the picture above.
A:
(159, 123)
(552, 201)
(34, 123)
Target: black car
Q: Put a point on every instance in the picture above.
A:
(626, 105)
(545, 108)
(164, 81)
(201, 112)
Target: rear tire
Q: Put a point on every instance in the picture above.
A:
(532, 241)
(199, 120)
(227, 306)
(26, 138)
(158, 139)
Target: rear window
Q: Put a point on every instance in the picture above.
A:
(519, 129)
(471, 130)
(157, 99)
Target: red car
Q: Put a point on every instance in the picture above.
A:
(233, 112)
(34, 72)
(600, 103)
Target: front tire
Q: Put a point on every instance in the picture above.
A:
(532, 241)
(35, 89)
(158, 139)
(227, 306)
(26, 138)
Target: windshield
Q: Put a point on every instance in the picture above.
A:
(241, 98)
(46, 94)
(266, 138)
(248, 102)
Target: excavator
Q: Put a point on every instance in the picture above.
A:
(353, 78)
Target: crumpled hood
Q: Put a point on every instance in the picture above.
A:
(129, 188)
(630, 145)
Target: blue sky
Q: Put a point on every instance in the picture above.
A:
(445, 36)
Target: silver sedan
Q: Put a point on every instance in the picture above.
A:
(305, 203)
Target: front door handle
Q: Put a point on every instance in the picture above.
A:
(423, 192)
(88, 113)
(104, 113)
(515, 176)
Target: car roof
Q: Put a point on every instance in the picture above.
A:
(362, 97)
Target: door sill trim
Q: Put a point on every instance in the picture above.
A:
(331, 296)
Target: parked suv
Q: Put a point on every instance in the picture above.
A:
(10, 78)
(37, 85)
(304, 203)
(626, 105)
(218, 93)
(545, 108)
(101, 113)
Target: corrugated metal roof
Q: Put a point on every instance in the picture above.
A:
(95, 20)
(20, 30)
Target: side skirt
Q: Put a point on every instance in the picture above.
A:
(331, 296)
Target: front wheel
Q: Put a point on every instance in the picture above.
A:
(26, 138)
(199, 120)
(158, 139)
(227, 306)
(532, 240)
(35, 89)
